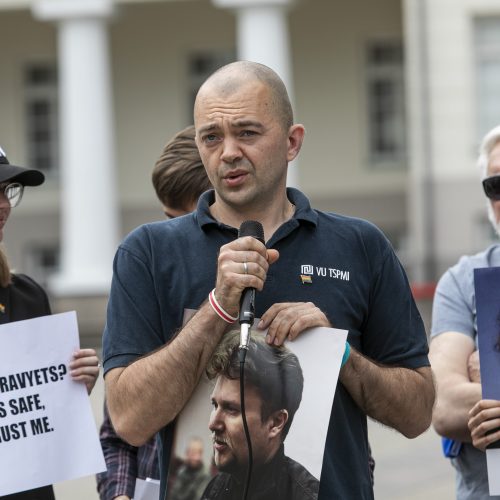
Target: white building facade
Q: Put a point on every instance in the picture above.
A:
(394, 96)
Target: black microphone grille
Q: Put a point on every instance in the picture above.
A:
(252, 228)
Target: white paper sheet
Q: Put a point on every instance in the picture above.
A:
(493, 463)
(320, 352)
(47, 430)
(148, 489)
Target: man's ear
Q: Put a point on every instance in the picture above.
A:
(295, 137)
(277, 422)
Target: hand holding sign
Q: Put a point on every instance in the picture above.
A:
(85, 367)
(484, 424)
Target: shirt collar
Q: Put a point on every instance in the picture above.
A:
(303, 210)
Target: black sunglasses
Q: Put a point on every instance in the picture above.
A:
(491, 186)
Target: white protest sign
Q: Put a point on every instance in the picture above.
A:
(47, 430)
(493, 464)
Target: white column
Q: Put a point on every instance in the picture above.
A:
(421, 200)
(263, 37)
(89, 219)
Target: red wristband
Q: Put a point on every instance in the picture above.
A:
(219, 310)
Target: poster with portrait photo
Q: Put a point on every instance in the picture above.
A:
(302, 444)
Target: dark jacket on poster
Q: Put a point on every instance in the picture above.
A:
(280, 479)
(24, 299)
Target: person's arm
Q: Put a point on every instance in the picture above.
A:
(84, 367)
(398, 397)
(473, 367)
(456, 394)
(401, 398)
(149, 393)
(118, 481)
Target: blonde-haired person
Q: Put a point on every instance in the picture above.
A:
(22, 298)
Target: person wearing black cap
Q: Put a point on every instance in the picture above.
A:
(22, 298)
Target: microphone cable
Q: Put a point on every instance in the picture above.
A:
(241, 356)
(246, 319)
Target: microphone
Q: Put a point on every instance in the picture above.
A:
(247, 302)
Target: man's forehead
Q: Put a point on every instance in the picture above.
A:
(244, 97)
(494, 159)
(226, 385)
(228, 390)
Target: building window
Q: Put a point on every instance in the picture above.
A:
(40, 89)
(200, 66)
(385, 99)
(487, 71)
(42, 261)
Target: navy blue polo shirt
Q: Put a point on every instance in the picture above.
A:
(345, 266)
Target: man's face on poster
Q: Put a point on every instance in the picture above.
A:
(226, 425)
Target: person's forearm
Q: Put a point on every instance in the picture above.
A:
(451, 413)
(398, 397)
(112, 486)
(121, 468)
(149, 393)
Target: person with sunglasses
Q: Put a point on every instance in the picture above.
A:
(22, 298)
(460, 414)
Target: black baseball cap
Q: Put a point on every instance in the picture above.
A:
(25, 176)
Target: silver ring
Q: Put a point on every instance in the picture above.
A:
(245, 267)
